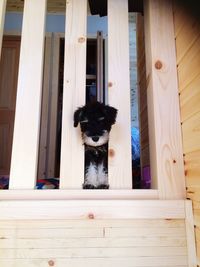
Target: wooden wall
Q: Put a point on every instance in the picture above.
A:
(89, 243)
(187, 34)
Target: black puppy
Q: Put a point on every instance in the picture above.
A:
(96, 120)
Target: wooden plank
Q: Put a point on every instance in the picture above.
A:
(189, 223)
(92, 252)
(119, 169)
(72, 150)
(94, 242)
(190, 99)
(186, 37)
(166, 156)
(120, 223)
(188, 69)
(2, 18)
(191, 133)
(98, 209)
(192, 169)
(27, 119)
(147, 232)
(77, 194)
(166, 261)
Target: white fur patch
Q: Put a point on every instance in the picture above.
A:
(102, 176)
(96, 176)
(91, 175)
(102, 139)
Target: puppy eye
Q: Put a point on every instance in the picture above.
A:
(101, 119)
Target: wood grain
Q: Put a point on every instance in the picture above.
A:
(72, 149)
(89, 242)
(27, 119)
(119, 169)
(166, 155)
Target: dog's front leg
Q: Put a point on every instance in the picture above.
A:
(91, 178)
(102, 174)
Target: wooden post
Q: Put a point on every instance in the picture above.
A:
(166, 155)
(2, 18)
(27, 119)
(72, 149)
(119, 169)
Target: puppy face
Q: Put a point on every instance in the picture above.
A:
(96, 120)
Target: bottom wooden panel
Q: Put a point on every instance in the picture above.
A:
(93, 243)
(158, 236)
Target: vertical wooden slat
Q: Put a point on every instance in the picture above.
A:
(72, 150)
(189, 225)
(27, 118)
(166, 154)
(2, 18)
(119, 94)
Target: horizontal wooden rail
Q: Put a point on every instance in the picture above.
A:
(91, 209)
(55, 194)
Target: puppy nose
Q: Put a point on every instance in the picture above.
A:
(95, 138)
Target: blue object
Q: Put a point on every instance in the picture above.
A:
(135, 143)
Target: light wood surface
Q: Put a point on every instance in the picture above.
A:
(89, 242)
(27, 119)
(98, 209)
(78, 194)
(119, 165)
(72, 149)
(166, 154)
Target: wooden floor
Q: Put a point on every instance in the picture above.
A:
(96, 243)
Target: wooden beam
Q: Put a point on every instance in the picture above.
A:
(78, 194)
(119, 169)
(93, 209)
(27, 119)
(166, 154)
(2, 18)
(72, 149)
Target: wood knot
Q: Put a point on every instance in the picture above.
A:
(111, 152)
(51, 263)
(81, 39)
(110, 84)
(158, 65)
(91, 216)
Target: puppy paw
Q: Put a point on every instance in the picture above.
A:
(103, 186)
(88, 186)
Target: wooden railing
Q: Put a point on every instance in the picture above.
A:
(164, 122)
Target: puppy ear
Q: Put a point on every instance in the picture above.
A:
(77, 116)
(111, 114)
